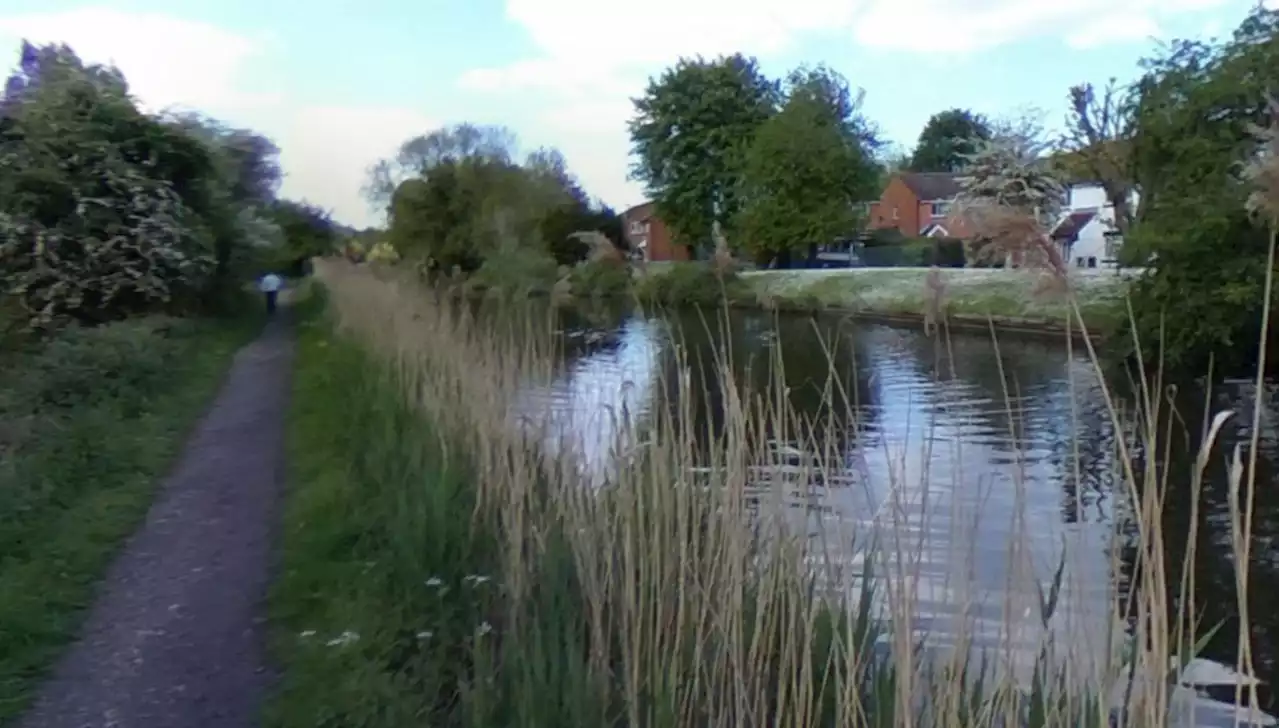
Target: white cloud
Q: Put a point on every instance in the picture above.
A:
(145, 46)
(592, 56)
(176, 62)
(327, 150)
(1113, 28)
(933, 26)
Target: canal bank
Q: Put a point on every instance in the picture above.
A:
(1017, 301)
(952, 456)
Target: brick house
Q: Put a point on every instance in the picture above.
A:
(647, 234)
(919, 204)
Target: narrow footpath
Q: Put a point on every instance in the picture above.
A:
(176, 637)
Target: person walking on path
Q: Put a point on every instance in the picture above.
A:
(270, 285)
(175, 638)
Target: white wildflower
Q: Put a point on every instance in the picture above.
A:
(307, 633)
(345, 638)
(485, 628)
(424, 635)
(435, 581)
(475, 579)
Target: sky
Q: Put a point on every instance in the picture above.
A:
(339, 84)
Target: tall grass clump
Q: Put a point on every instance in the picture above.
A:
(673, 585)
(697, 283)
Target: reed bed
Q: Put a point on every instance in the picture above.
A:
(676, 588)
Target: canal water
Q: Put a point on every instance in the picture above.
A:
(986, 462)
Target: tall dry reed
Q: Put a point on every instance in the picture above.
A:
(678, 588)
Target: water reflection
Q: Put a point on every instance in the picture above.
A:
(992, 459)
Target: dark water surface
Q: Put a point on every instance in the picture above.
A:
(1015, 443)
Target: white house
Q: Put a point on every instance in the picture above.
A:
(1087, 231)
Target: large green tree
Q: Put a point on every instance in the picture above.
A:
(419, 154)
(806, 169)
(1196, 110)
(948, 138)
(690, 133)
(462, 197)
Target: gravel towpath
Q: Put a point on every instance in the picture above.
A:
(175, 638)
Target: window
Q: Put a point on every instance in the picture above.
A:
(1080, 262)
(939, 209)
(637, 228)
(1114, 242)
(1093, 262)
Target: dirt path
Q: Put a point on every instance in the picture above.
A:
(176, 636)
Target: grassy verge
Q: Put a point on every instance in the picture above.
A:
(88, 423)
(1014, 295)
(384, 586)
(513, 587)
(391, 609)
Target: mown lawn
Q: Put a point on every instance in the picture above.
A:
(1013, 294)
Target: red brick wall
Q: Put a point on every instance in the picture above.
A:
(656, 233)
(913, 213)
(897, 197)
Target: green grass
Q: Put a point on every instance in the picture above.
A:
(1002, 294)
(378, 547)
(89, 422)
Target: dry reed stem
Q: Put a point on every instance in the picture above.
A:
(702, 609)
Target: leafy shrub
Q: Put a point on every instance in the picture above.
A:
(884, 236)
(107, 211)
(600, 279)
(692, 284)
(516, 272)
(84, 367)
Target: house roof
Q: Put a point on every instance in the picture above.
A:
(1070, 226)
(932, 185)
(640, 212)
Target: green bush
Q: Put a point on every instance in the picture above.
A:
(692, 284)
(86, 367)
(516, 273)
(601, 279)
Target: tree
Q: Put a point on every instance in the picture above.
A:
(1011, 196)
(831, 91)
(1196, 110)
(308, 231)
(948, 139)
(94, 224)
(1098, 127)
(235, 196)
(805, 170)
(418, 155)
(463, 198)
(690, 132)
(106, 211)
(892, 158)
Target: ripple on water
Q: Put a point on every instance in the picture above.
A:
(983, 473)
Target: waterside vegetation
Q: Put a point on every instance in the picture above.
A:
(446, 561)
